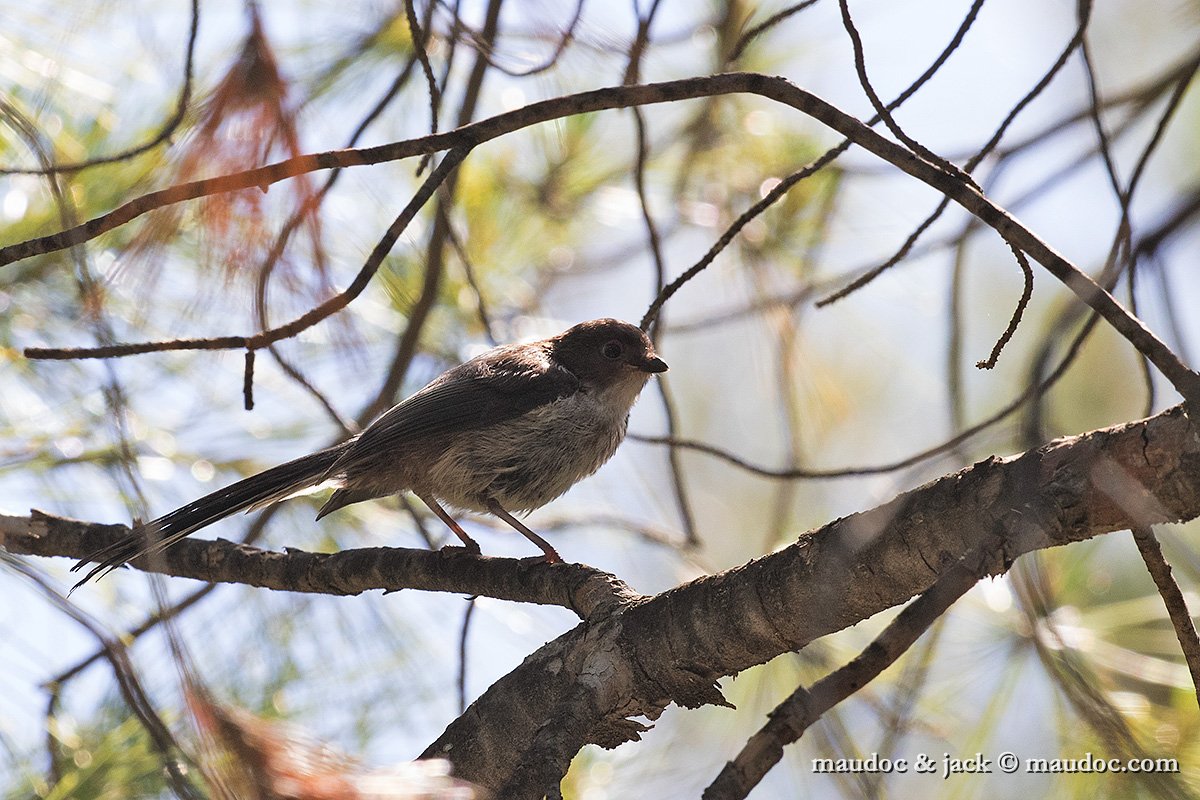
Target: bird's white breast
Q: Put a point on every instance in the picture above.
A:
(526, 462)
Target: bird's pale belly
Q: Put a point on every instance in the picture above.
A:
(526, 462)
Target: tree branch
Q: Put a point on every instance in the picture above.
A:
(773, 88)
(673, 647)
(581, 588)
(289, 329)
(633, 656)
(791, 718)
(1172, 596)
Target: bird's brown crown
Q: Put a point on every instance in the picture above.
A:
(604, 350)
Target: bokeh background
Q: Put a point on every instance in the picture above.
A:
(1070, 653)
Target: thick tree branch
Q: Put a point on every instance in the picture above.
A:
(581, 588)
(674, 646)
(791, 718)
(634, 656)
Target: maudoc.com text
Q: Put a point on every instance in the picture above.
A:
(1008, 763)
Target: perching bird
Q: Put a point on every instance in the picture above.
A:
(506, 432)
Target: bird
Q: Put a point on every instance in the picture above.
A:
(503, 433)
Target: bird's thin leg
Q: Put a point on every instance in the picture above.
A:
(552, 556)
(467, 541)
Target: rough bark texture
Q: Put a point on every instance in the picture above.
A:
(673, 647)
(583, 589)
(632, 656)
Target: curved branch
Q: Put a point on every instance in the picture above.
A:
(773, 88)
(674, 646)
(634, 656)
(289, 329)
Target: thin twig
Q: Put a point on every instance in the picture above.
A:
(784, 186)
(1168, 589)
(130, 686)
(975, 160)
(419, 37)
(752, 33)
(1018, 312)
(304, 321)
(462, 653)
(791, 718)
(882, 111)
(1032, 391)
(164, 133)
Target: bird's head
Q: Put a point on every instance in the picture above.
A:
(609, 356)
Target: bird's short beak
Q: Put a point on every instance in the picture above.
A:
(654, 364)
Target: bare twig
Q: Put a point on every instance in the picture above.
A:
(881, 110)
(975, 160)
(1177, 610)
(169, 126)
(1032, 391)
(463, 633)
(1183, 379)
(1015, 320)
(289, 329)
(419, 40)
(130, 686)
(791, 718)
(435, 251)
(754, 32)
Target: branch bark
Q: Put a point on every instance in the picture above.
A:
(951, 184)
(632, 656)
(583, 589)
(675, 646)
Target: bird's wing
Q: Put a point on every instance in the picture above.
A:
(486, 390)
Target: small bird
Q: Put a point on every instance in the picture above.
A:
(506, 432)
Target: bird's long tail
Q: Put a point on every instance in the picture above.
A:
(263, 489)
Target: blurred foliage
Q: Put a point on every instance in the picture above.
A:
(1070, 654)
(109, 759)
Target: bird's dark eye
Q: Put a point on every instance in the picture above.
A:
(612, 350)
